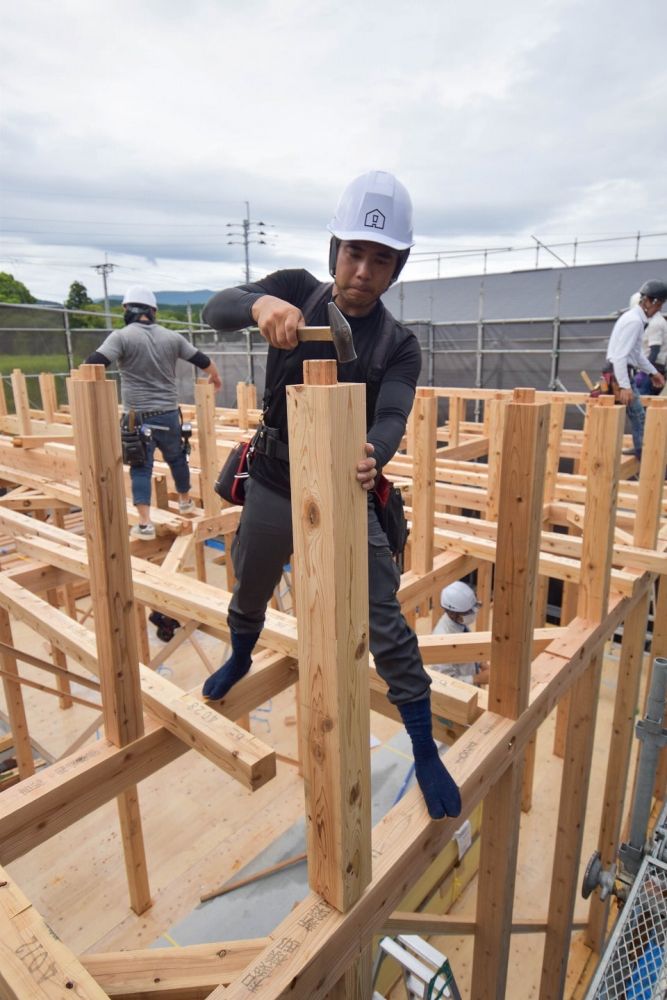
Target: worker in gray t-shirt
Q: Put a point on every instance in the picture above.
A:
(146, 354)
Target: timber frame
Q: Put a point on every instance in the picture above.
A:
(601, 529)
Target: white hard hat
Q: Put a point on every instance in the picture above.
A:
(138, 295)
(375, 207)
(458, 597)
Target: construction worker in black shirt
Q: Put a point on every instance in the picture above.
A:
(370, 243)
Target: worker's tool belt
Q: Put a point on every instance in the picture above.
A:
(388, 503)
(268, 443)
(608, 383)
(133, 439)
(231, 482)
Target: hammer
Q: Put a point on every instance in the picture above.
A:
(339, 332)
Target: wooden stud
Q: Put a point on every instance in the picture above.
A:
(519, 524)
(327, 431)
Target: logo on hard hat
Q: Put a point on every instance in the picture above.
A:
(374, 219)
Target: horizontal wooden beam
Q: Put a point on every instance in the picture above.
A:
(33, 961)
(189, 973)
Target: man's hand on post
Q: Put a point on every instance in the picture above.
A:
(625, 396)
(366, 469)
(214, 375)
(277, 321)
(658, 380)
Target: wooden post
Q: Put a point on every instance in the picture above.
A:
(494, 415)
(208, 457)
(97, 440)
(47, 390)
(242, 405)
(423, 481)
(14, 701)
(519, 525)
(605, 430)
(327, 432)
(21, 402)
(647, 522)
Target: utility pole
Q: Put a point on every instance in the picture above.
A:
(250, 232)
(104, 269)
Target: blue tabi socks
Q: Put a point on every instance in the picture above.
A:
(236, 667)
(439, 789)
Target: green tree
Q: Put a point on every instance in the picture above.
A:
(12, 290)
(78, 297)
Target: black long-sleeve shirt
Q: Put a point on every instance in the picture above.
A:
(390, 371)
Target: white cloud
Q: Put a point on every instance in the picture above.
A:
(142, 128)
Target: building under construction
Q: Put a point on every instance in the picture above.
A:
(274, 844)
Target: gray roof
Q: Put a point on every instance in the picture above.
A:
(586, 290)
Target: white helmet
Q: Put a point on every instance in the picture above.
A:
(374, 207)
(634, 299)
(458, 597)
(138, 295)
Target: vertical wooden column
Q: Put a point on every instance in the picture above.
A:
(208, 456)
(59, 658)
(94, 406)
(14, 701)
(327, 433)
(605, 430)
(647, 523)
(456, 410)
(423, 481)
(517, 557)
(494, 416)
(242, 405)
(3, 398)
(21, 402)
(47, 390)
(556, 418)
(659, 648)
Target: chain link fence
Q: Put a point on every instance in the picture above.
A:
(545, 353)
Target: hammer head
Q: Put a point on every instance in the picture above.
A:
(341, 334)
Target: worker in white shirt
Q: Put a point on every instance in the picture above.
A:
(625, 357)
(460, 607)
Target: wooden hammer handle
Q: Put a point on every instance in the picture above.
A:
(305, 333)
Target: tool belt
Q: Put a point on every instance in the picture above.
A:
(608, 383)
(134, 440)
(267, 442)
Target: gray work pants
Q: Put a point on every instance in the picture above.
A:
(263, 546)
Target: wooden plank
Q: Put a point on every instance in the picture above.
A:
(33, 962)
(423, 499)
(519, 524)
(651, 484)
(53, 799)
(187, 973)
(605, 434)
(18, 722)
(243, 756)
(327, 435)
(208, 458)
(21, 402)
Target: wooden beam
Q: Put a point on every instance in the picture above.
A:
(33, 961)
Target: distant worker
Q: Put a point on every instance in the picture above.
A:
(460, 607)
(146, 354)
(656, 346)
(625, 357)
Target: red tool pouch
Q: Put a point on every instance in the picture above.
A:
(230, 484)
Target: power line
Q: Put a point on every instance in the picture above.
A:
(248, 231)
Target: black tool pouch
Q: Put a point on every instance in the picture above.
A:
(231, 481)
(388, 501)
(133, 442)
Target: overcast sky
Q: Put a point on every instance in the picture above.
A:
(138, 129)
